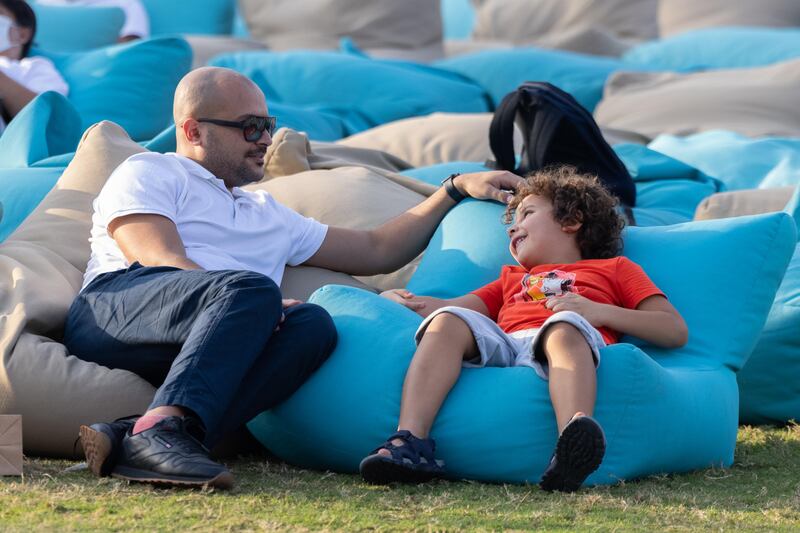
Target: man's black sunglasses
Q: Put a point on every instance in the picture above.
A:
(252, 127)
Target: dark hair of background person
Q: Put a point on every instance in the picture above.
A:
(24, 17)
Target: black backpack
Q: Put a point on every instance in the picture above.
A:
(556, 130)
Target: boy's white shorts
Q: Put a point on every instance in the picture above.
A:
(498, 348)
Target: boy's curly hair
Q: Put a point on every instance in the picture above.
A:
(580, 198)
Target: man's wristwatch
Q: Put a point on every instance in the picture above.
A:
(451, 189)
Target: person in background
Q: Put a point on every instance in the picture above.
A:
(22, 77)
(137, 22)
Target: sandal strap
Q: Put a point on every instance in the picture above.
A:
(414, 448)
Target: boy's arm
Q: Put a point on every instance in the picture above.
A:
(425, 305)
(654, 320)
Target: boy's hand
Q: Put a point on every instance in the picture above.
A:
(591, 311)
(405, 298)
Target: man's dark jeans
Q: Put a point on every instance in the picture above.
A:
(206, 339)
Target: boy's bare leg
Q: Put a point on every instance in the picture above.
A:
(433, 371)
(573, 377)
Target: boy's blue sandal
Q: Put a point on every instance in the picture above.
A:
(413, 462)
(579, 452)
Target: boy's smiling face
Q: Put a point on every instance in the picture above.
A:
(537, 238)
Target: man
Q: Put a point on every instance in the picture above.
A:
(182, 285)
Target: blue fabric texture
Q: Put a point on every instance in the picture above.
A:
(366, 92)
(502, 71)
(21, 190)
(118, 83)
(770, 394)
(205, 17)
(737, 161)
(767, 396)
(49, 125)
(667, 190)
(458, 18)
(717, 48)
(662, 410)
(76, 28)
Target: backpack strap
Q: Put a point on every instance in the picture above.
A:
(501, 132)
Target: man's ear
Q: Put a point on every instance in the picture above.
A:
(191, 131)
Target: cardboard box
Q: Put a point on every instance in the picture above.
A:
(10, 445)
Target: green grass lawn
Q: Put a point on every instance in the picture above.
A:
(761, 491)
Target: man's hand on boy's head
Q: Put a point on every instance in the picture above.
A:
(588, 309)
(405, 298)
(490, 185)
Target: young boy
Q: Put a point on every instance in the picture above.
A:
(570, 295)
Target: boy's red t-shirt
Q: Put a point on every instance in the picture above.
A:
(516, 300)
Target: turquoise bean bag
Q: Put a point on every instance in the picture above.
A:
(367, 92)
(737, 161)
(770, 394)
(130, 84)
(717, 48)
(76, 28)
(501, 71)
(662, 410)
(667, 190)
(48, 126)
(458, 18)
(21, 190)
(205, 17)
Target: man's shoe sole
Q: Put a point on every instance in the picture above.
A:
(98, 448)
(579, 452)
(223, 480)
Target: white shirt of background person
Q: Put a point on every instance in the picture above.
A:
(37, 74)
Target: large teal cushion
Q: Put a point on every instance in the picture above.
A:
(210, 17)
(770, 390)
(502, 71)
(367, 92)
(715, 48)
(49, 125)
(21, 190)
(667, 190)
(737, 161)
(76, 28)
(662, 410)
(130, 84)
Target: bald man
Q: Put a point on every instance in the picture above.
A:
(182, 287)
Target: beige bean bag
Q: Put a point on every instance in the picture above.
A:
(592, 41)
(677, 16)
(524, 21)
(291, 152)
(436, 138)
(41, 270)
(407, 29)
(741, 203)
(755, 102)
(206, 47)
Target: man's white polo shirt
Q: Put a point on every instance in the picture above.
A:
(220, 229)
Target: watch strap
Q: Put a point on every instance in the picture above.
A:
(450, 188)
